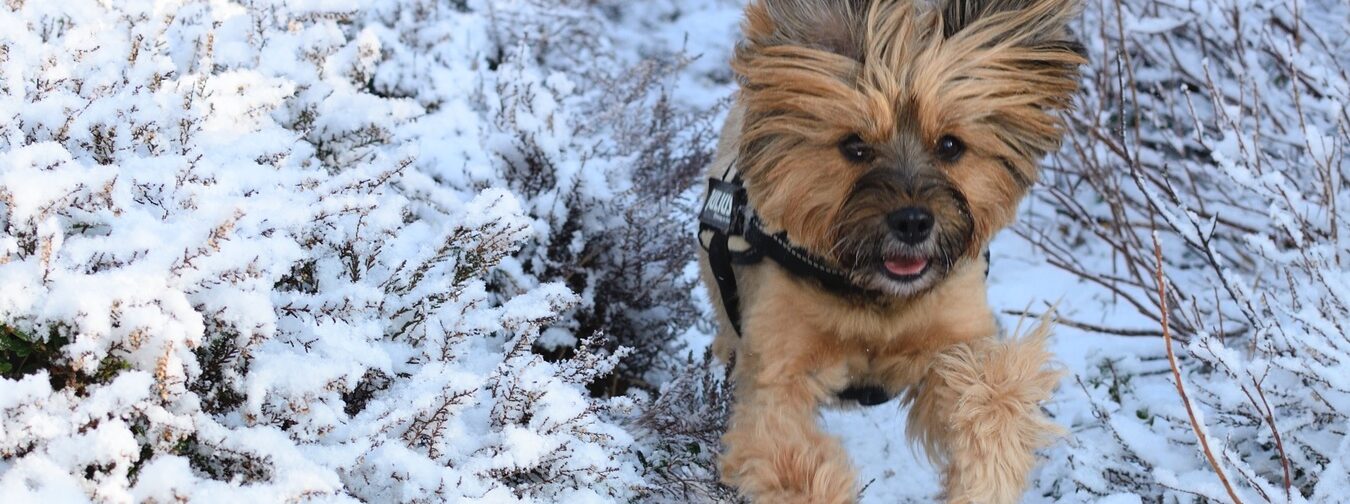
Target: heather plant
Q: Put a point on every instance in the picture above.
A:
(277, 251)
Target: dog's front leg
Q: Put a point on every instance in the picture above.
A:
(977, 411)
(775, 452)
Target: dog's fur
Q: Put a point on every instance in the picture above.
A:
(900, 75)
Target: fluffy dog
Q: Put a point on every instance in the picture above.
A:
(883, 143)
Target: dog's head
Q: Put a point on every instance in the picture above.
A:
(895, 138)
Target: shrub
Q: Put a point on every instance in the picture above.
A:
(1215, 135)
(288, 251)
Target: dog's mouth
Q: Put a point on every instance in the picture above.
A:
(905, 268)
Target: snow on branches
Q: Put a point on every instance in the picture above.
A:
(1221, 126)
(272, 250)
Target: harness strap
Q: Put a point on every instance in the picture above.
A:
(866, 395)
(719, 258)
(801, 263)
(722, 217)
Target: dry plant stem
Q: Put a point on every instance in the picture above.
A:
(1176, 374)
(1279, 444)
(1086, 326)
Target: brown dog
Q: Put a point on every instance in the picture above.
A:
(880, 146)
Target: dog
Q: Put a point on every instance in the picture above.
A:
(873, 150)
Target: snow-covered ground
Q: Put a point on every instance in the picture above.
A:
(440, 251)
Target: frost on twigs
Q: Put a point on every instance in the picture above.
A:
(682, 435)
(1223, 127)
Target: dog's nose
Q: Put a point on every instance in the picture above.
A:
(911, 224)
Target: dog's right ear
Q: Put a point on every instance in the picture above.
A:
(830, 25)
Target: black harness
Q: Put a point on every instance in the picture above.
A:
(726, 215)
(727, 218)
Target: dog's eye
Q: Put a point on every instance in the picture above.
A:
(855, 149)
(950, 148)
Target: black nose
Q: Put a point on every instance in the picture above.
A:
(911, 224)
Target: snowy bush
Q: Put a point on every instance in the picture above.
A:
(277, 250)
(1222, 126)
(681, 433)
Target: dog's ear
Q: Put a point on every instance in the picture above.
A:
(1038, 24)
(831, 25)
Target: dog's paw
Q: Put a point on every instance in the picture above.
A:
(997, 424)
(814, 471)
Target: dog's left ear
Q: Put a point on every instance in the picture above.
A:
(1030, 24)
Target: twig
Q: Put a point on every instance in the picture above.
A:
(1176, 374)
(1279, 443)
(1089, 327)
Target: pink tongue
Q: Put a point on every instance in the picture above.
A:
(906, 266)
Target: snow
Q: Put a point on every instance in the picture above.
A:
(388, 251)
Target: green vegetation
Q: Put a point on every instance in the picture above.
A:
(23, 353)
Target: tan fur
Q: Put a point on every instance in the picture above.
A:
(812, 72)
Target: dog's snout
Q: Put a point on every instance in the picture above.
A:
(911, 225)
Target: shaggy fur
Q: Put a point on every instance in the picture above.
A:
(899, 77)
